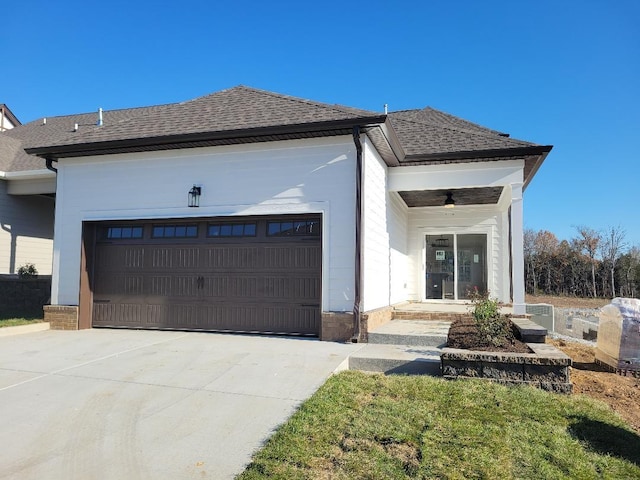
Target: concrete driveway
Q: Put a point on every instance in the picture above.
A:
(124, 404)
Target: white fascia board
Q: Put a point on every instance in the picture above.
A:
(30, 182)
(455, 175)
(28, 175)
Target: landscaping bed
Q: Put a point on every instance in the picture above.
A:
(464, 334)
(505, 360)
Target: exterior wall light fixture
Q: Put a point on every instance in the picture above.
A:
(194, 196)
(449, 202)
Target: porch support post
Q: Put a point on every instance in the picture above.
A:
(517, 249)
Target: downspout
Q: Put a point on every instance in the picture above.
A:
(357, 296)
(50, 166)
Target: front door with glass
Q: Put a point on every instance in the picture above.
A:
(456, 266)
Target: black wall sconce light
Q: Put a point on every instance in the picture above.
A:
(449, 202)
(194, 196)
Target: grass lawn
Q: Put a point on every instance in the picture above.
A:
(13, 322)
(360, 426)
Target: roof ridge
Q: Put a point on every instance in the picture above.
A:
(452, 117)
(51, 117)
(339, 108)
(475, 124)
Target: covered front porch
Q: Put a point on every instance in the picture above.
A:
(464, 233)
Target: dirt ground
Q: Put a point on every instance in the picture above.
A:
(568, 302)
(588, 378)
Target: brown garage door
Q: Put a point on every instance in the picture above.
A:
(241, 275)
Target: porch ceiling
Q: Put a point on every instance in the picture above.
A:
(462, 196)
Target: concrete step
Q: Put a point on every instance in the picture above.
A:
(401, 359)
(423, 333)
(399, 314)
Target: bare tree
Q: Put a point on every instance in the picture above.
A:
(589, 240)
(613, 245)
(629, 275)
(530, 257)
(546, 246)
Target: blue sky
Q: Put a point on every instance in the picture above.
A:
(565, 73)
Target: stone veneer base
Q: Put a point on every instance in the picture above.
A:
(546, 367)
(336, 326)
(61, 317)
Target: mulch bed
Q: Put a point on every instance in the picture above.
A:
(464, 334)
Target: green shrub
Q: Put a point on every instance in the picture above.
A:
(494, 327)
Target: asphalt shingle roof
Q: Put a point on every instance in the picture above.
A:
(238, 108)
(429, 132)
(13, 158)
(422, 132)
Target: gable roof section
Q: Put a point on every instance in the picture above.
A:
(430, 136)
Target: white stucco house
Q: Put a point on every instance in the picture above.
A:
(251, 211)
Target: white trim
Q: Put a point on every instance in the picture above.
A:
(455, 176)
(28, 175)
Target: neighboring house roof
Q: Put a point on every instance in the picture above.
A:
(245, 115)
(6, 113)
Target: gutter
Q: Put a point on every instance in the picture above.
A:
(469, 154)
(50, 160)
(357, 296)
(173, 141)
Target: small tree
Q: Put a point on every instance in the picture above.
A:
(28, 270)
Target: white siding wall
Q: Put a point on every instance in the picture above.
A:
(487, 220)
(316, 175)
(375, 235)
(384, 236)
(26, 231)
(398, 221)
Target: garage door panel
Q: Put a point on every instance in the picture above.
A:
(174, 258)
(237, 286)
(232, 257)
(250, 284)
(119, 284)
(292, 288)
(119, 257)
(293, 257)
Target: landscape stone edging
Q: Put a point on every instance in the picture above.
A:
(546, 367)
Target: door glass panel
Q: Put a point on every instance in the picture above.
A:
(463, 261)
(440, 273)
(472, 271)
